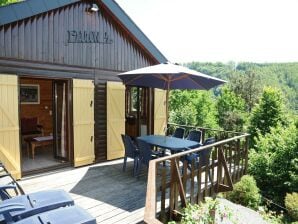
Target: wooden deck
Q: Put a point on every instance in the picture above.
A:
(107, 193)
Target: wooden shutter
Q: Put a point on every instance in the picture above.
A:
(9, 124)
(159, 111)
(115, 119)
(83, 122)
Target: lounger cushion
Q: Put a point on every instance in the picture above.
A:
(67, 215)
(38, 202)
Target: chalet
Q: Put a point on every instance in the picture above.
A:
(61, 102)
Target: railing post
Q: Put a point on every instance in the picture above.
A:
(219, 169)
(150, 208)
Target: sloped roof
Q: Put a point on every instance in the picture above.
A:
(24, 9)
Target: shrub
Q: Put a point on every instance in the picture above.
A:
(274, 163)
(245, 193)
(291, 203)
(209, 212)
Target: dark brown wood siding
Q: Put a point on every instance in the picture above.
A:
(100, 115)
(38, 46)
(44, 38)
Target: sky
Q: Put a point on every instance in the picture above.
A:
(219, 30)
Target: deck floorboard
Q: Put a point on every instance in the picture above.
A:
(107, 193)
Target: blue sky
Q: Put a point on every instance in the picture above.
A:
(219, 30)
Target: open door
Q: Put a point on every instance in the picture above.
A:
(83, 122)
(159, 112)
(115, 119)
(9, 125)
(60, 100)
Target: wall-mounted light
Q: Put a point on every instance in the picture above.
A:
(93, 8)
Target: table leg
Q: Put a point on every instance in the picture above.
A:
(28, 148)
(32, 149)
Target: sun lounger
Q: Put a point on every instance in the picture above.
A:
(68, 215)
(36, 203)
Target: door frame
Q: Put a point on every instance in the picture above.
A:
(69, 124)
(149, 109)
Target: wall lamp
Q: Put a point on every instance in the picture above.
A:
(93, 8)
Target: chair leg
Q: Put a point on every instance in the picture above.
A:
(135, 166)
(139, 168)
(210, 177)
(124, 163)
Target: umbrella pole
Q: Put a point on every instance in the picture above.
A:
(167, 108)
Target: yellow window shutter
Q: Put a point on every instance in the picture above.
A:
(83, 122)
(115, 119)
(9, 124)
(159, 111)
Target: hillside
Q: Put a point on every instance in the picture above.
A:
(281, 75)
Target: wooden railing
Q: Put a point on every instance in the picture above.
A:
(173, 182)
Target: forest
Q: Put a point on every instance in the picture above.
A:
(259, 99)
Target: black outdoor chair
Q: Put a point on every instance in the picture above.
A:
(7, 182)
(179, 132)
(201, 157)
(131, 151)
(194, 135)
(146, 154)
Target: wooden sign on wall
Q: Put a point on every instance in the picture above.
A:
(78, 36)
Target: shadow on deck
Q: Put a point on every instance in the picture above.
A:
(110, 195)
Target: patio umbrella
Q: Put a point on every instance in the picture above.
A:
(169, 76)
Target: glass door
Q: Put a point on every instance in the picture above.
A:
(137, 111)
(60, 120)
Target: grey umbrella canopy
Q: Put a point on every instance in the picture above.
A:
(169, 76)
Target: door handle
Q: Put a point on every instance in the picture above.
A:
(91, 103)
(91, 139)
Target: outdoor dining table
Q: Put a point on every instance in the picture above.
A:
(168, 142)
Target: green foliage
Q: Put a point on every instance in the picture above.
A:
(247, 79)
(230, 107)
(206, 110)
(291, 203)
(6, 2)
(208, 212)
(274, 162)
(192, 108)
(186, 115)
(267, 114)
(245, 193)
(246, 85)
(272, 217)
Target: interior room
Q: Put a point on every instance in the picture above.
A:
(44, 124)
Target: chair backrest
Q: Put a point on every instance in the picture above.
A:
(204, 155)
(209, 141)
(194, 135)
(29, 124)
(130, 147)
(145, 151)
(179, 133)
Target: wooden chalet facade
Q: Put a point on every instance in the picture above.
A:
(59, 62)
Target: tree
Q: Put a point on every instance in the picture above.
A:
(274, 162)
(6, 2)
(205, 110)
(230, 110)
(193, 107)
(247, 85)
(267, 114)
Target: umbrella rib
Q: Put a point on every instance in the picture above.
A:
(196, 82)
(180, 77)
(161, 77)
